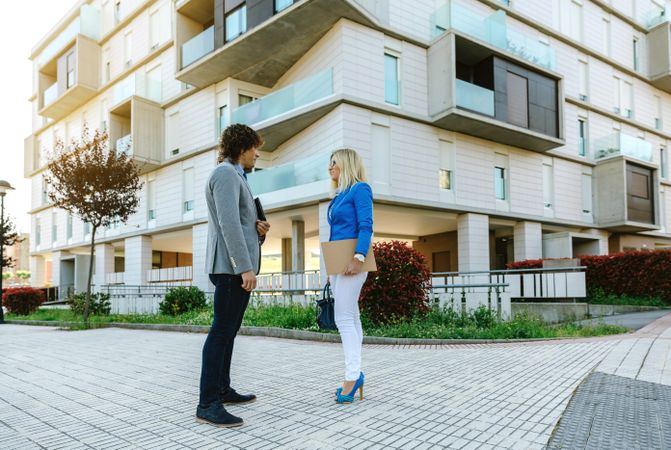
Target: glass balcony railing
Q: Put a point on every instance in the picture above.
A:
(475, 98)
(88, 23)
(124, 145)
(655, 17)
(493, 30)
(50, 94)
(294, 96)
(621, 144)
(198, 46)
(297, 173)
(137, 84)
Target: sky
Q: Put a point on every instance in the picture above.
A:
(20, 30)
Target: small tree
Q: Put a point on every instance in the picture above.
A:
(94, 183)
(9, 238)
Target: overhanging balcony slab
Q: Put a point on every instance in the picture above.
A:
(263, 54)
(68, 101)
(481, 126)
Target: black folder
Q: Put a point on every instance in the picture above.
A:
(259, 210)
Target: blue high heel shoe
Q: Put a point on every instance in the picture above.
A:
(342, 398)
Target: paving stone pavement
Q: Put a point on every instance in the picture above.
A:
(113, 388)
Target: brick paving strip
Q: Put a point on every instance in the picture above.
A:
(120, 388)
(626, 402)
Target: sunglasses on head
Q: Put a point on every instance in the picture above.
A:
(332, 163)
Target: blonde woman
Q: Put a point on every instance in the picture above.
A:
(350, 216)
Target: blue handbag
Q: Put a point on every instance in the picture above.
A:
(325, 310)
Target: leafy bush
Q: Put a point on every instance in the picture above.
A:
(100, 304)
(182, 299)
(639, 274)
(397, 291)
(598, 297)
(22, 300)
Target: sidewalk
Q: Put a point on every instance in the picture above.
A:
(113, 388)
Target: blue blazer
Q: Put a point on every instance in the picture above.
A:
(350, 215)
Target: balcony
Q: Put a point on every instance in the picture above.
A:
(287, 111)
(659, 56)
(621, 144)
(69, 79)
(87, 24)
(625, 194)
(262, 54)
(293, 180)
(478, 90)
(138, 84)
(184, 273)
(136, 128)
(493, 30)
(656, 17)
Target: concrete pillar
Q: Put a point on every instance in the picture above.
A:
(473, 242)
(528, 241)
(104, 263)
(37, 271)
(297, 245)
(324, 234)
(137, 260)
(200, 277)
(603, 236)
(56, 270)
(82, 272)
(286, 255)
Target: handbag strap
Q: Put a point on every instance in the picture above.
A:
(326, 292)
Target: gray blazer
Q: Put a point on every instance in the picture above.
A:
(232, 240)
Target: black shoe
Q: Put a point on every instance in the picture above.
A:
(216, 415)
(231, 397)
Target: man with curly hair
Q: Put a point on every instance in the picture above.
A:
(234, 238)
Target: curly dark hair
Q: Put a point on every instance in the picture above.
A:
(235, 140)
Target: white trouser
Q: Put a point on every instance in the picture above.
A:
(346, 290)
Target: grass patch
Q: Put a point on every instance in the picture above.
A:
(437, 324)
(599, 297)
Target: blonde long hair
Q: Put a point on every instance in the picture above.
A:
(351, 168)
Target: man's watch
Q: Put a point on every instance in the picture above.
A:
(360, 257)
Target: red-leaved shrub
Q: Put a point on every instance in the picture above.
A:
(397, 290)
(22, 300)
(642, 273)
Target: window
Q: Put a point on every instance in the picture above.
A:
(54, 228)
(151, 200)
(117, 12)
(605, 36)
(582, 137)
(128, 48)
(172, 132)
(571, 19)
(548, 185)
(663, 164)
(188, 190)
(154, 84)
(68, 228)
(45, 191)
(223, 118)
(518, 103)
(500, 182)
(103, 115)
(583, 80)
(445, 179)
(586, 193)
(281, 5)
(623, 98)
(236, 23)
(70, 68)
(635, 53)
(38, 231)
(391, 80)
(244, 99)
(658, 118)
(160, 27)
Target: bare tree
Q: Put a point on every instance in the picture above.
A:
(94, 183)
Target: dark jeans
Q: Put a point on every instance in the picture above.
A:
(230, 302)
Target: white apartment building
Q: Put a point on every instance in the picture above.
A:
(492, 131)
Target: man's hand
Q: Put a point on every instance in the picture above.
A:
(249, 281)
(353, 267)
(262, 227)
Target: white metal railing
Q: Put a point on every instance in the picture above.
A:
(524, 283)
(289, 281)
(114, 278)
(184, 273)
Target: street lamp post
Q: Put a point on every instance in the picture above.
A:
(4, 188)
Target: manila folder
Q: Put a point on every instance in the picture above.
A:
(337, 254)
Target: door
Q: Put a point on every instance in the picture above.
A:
(640, 197)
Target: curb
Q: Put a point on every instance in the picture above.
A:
(284, 333)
